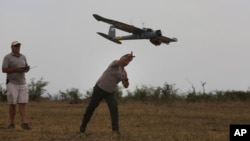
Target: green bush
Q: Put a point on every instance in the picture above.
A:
(3, 96)
(73, 95)
(148, 93)
(36, 89)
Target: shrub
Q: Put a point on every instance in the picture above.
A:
(73, 95)
(3, 96)
(36, 89)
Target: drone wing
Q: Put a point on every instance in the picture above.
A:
(119, 25)
(166, 40)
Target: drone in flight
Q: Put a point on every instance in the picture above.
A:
(154, 36)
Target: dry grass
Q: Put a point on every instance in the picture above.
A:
(60, 121)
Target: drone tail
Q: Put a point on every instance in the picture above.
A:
(112, 32)
(109, 37)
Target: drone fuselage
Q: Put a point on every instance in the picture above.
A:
(148, 34)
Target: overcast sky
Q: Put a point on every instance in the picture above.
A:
(59, 36)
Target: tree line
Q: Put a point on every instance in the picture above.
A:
(166, 93)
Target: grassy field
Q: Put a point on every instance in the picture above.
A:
(180, 121)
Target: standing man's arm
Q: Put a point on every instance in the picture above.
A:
(12, 70)
(6, 69)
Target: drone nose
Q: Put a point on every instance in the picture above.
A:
(158, 33)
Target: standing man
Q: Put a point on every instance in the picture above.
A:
(15, 66)
(105, 88)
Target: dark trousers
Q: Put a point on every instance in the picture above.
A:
(97, 96)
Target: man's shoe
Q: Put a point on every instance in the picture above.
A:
(11, 126)
(26, 126)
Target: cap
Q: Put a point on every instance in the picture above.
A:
(14, 43)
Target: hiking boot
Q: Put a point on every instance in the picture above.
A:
(26, 126)
(11, 126)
